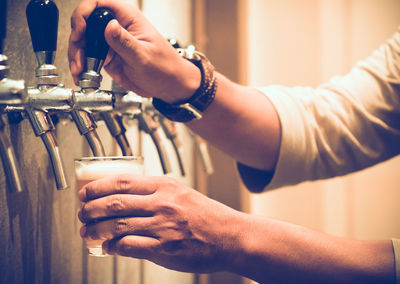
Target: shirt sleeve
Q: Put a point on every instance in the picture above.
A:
(346, 125)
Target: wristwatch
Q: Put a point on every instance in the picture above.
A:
(194, 107)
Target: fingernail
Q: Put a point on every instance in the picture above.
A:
(82, 231)
(82, 195)
(115, 29)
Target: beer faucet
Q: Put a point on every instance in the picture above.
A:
(171, 132)
(136, 107)
(202, 149)
(199, 142)
(96, 50)
(42, 17)
(12, 93)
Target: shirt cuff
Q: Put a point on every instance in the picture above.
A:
(396, 249)
(293, 149)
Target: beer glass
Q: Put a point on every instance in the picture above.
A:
(93, 168)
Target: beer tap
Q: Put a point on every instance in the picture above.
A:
(96, 50)
(199, 142)
(205, 157)
(171, 132)
(149, 124)
(42, 16)
(12, 93)
(136, 107)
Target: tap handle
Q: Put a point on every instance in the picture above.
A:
(96, 45)
(3, 22)
(42, 16)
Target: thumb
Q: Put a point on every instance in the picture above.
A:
(121, 41)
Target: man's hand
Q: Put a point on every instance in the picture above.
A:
(160, 219)
(140, 58)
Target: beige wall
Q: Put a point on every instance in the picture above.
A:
(307, 42)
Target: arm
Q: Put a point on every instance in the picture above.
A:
(140, 56)
(160, 219)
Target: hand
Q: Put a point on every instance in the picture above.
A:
(140, 58)
(159, 219)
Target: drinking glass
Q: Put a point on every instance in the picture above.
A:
(92, 168)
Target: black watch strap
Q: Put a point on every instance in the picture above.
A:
(192, 108)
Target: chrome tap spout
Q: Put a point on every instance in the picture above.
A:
(55, 158)
(43, 127)
(11, 168)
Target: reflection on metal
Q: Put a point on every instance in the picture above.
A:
(10, 163)
(205, 157)
(55, 158)
(117, 130)
(172, 134)
(150, 125)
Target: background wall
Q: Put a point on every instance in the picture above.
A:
(306, 43)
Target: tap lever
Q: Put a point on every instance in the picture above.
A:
(42, 16)
(96, 48)
(96, 45)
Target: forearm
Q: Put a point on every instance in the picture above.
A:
(271, 251)
(242, 122)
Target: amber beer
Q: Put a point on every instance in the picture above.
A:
(90, 169)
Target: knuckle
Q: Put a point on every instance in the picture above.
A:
(125, 42)
(121, 226)
(115, 205)
(122, 183)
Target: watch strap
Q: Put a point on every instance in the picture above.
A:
(194, 107)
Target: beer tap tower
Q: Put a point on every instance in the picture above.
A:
(12, 94)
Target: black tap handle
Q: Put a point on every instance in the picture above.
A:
(96, 45)
(42, 16)
(3, 22)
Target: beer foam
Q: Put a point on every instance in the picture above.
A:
(100, 169)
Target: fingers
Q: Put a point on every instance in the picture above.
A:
(121, 41)
(125, 12)
(117, 228)
(118, 184)
(134, 246)
(116, 205)
(76, 59)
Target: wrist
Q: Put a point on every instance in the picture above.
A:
(235, 252)
(193, 107)
(189, 80)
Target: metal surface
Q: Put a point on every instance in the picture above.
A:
(151, 126)
(117, 130)
(172, 134)
(55, 158)
(11, 167)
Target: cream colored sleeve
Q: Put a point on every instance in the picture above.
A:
(396, 249)
(351, 123)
